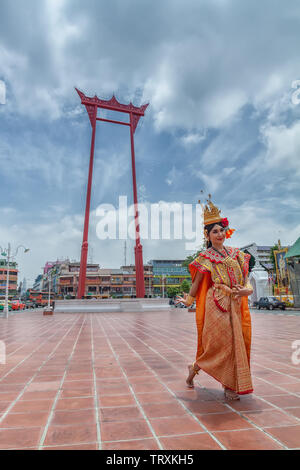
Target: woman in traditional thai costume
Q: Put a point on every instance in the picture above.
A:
(220, 286)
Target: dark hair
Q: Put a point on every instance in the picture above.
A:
(209, 228)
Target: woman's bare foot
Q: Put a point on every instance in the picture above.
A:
(193, 370)
(230, 394)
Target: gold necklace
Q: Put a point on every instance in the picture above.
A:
(228, 261)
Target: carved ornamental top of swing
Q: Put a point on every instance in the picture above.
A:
(112, 104)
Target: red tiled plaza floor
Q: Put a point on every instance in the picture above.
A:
(117, 381)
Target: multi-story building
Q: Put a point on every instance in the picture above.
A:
(12, 278)
(38, 283)
(105, 283)
(100, 283)
(63, 276)
(129, 280)
(167, 273)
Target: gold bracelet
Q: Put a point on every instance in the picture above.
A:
(190, 299)
(249, 286)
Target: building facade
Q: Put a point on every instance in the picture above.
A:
(167, 273)
(104, 283)
(12, 279)
(38, 283)
(100, 283)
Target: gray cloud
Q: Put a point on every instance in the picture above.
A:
(197, 62)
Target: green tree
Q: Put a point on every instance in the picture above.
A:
(173, 291)
(190, 259)
(185, 286)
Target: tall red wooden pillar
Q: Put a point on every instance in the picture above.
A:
(84, 246)
(138, 249)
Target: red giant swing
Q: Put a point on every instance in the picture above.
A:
(135, 113)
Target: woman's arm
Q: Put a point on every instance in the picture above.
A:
(195, 284)
(241, 291)
(193, 290)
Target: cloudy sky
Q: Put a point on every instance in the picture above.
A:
(224, 116)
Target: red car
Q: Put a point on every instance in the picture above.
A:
(17, 305)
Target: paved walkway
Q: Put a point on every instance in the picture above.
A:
(117, 381)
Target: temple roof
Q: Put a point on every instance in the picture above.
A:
(294, 250)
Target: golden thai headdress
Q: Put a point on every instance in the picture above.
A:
(212, 215)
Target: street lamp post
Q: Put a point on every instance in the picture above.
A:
(7, 253)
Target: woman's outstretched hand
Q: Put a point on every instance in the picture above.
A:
(181, 299)
(240, 291)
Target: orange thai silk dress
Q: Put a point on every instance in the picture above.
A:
(223, 322)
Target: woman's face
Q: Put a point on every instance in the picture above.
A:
(217, 235)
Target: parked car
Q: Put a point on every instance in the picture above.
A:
(270, 303)
(17, 305)
(2, 304)
(29, 304)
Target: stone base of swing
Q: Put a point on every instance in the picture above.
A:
(111, 305)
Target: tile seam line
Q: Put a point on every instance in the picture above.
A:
(60, 386)
(27, 357)
(20, 347)
(172, 393)
(45, 327)
(99, 442)
(170, 348)
(235, 411)
(37, 328)
(152, 419)
(161, 341)
(131, 389)
(283, 410)
(277, 372)
(295, 394)
(37, 333)
(294, 368)
(187, 332)
(161, 334)
(154, 327)
(31, 380)
(249, 420)
(280, 388)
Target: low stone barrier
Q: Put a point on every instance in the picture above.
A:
(110, 305)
